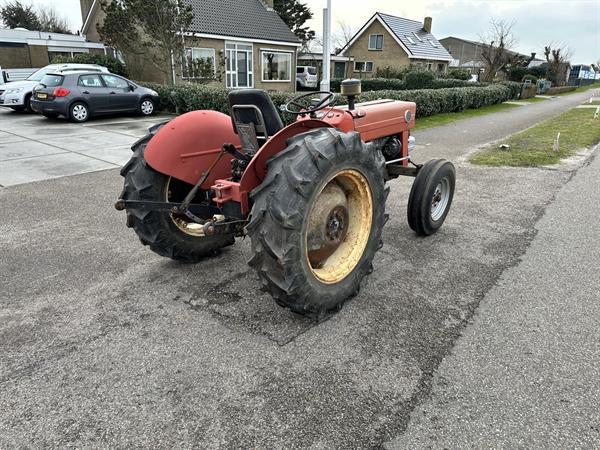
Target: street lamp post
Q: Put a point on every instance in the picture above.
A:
(325, 82)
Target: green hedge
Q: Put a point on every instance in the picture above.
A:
(395, 84)
(190, 97)
(112, 64)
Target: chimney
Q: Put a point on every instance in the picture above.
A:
(268, 4)
(427, 24)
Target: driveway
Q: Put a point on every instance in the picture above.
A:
(103, 343)
(33, 148)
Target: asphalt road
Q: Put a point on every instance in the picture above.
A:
(103, 343)
(526, 372)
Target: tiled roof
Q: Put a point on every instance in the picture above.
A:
(239, 18)
(416, 40)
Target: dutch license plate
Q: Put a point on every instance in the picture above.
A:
(42, 95)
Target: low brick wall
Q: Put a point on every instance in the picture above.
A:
(559, 90)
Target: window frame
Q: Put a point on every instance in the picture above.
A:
(214, 57)
(365, 66)
(376, 35)
(102, 83)
(276, 52)
(102, 75)
(229, 72)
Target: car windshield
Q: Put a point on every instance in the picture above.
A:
(38, 75)
(312, 71)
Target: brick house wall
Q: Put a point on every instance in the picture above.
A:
(391, 55)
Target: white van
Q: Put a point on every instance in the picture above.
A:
(306, 77)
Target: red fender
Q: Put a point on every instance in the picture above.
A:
(186, 146)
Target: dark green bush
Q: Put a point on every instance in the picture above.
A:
(112, 64)
(394, 84)
(517, 73)
(515, 88)
(458, 74)
(530, 78)
(419, 79)
(189, 97)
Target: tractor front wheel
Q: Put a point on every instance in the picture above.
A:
(167, 234)
(431, 196)
(317, 220)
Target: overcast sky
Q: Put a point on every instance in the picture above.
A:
(575, 23)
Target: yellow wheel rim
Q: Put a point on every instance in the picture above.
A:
(182, 222)
(339, 226)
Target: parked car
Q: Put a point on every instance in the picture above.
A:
(17, 94)
(306, 77)
(81, 95)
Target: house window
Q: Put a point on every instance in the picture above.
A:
(199, 63)
(276, 66)
(376, 42)
(363, 66)
(411, 40)
(418, 37)
(433, 44)
(238, 68)
(441, 67)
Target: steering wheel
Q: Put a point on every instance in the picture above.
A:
(302, 104)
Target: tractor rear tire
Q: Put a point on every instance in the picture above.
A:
(317, 220)
(159, 229)
(431, 196)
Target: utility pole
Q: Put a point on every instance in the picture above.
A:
(325, 82)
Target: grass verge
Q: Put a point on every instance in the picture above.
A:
(446, 118)
(533, 147)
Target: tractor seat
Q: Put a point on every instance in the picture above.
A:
(254, 117)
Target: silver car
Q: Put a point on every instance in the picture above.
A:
(17, 94)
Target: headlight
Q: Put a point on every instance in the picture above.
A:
(14, 91)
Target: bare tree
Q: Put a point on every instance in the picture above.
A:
(496, 49)
(51, 21)
(557, 57)
(342, 35)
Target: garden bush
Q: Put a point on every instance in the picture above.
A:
(189, 97)
(394, 84)
(112, 64)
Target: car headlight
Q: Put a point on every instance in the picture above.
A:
(14, 91)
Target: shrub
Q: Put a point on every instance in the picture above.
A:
(515, 88)
(394, 84)
(189, 97)
(112, 64)
(419, 79)
(392, 72)
(458, 74)
(517, 73)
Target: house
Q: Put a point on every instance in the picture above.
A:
(395, 42)
(467, 54)
(341, 66)
(582, 74)
(20, 48)
(245, 43)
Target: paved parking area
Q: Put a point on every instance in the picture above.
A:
(33, 148)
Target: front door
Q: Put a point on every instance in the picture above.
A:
(239, 68)
(339, 70)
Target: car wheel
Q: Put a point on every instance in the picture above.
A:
(79, 112)
(27, 102)
(146, 107)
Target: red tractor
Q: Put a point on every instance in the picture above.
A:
(311, 195)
